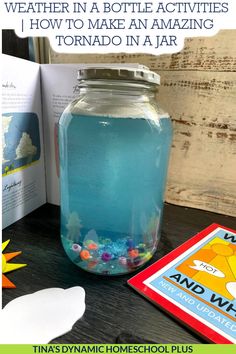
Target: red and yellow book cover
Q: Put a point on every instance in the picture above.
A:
(196, 283)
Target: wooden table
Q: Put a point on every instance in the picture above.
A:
(111, 306)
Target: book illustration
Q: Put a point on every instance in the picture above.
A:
(213, 266)
(6, 121)
(21, 141)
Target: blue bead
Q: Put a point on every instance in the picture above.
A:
(130, 243)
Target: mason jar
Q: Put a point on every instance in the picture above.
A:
(114, 144)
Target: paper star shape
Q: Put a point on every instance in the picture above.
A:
(9, 267)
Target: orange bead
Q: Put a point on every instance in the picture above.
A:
(92, 246)
(133, 253)
(92, 264)
(85, 255)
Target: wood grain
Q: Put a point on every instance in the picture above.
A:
(202, 166)
(217, 53)
(198, 89)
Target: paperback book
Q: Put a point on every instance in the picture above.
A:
(196, 284)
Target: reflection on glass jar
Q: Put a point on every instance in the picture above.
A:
(114, 146)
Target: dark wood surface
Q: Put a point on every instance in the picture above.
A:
(111, 306)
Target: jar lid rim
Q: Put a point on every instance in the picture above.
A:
(126, 72)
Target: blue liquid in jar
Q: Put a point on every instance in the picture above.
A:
(112, 175)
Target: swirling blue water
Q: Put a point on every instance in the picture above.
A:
(113, 174)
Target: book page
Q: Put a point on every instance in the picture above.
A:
(23, 175)
(59, 88)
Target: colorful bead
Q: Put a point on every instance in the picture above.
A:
(106, 257)
(76, 248)
(92, 264)
(133, 253)
(148, 256)
(141, 247)
(84, 255)
(92, 246)
(142, 255)
(88, 242)
(122, 261)
(102, 255)
(130, 244)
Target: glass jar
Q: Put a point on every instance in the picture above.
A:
(114, 144)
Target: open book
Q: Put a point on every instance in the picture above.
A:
(33, 98)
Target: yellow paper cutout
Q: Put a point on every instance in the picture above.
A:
(9, 267)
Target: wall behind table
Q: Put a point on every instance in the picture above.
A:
(198, 88)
